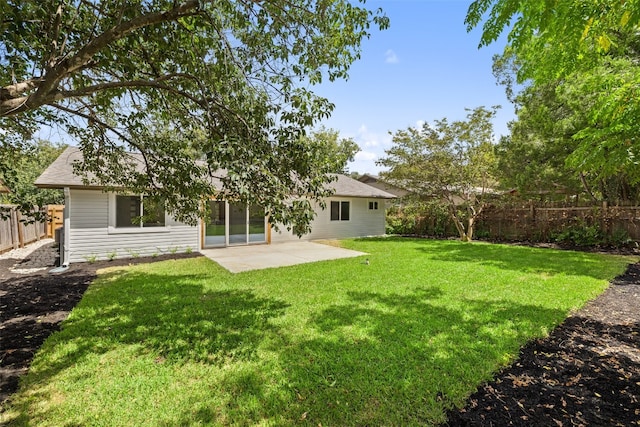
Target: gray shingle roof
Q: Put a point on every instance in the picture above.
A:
(347, 186)
(60, 174)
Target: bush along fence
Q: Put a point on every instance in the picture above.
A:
(574, 225)
(18, 230)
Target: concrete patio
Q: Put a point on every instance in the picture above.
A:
(237, 259)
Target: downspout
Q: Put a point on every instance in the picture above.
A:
(66, 228)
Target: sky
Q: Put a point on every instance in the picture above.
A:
(423, 68)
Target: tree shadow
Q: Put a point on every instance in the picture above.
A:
(510, 257)
(391, 359)
(172, 318)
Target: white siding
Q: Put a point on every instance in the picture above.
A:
(91, 237)
(362, 222)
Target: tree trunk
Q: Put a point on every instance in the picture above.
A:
(470, 227)
(456, 221)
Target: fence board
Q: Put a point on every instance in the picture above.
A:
(14, 232)
(542, 223)
(55, 219)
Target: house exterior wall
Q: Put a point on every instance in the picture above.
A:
(92, 237)
(362, 222)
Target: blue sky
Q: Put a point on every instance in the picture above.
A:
(423, 68)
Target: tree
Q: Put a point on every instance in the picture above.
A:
(19, 170)
(589, 51)
(453, 162)
(195, 86)
(538, 158)
(336, 151)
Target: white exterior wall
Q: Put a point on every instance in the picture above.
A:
(92, 238)
(362, 222)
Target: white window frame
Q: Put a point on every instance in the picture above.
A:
(373, 205)
(112, 229)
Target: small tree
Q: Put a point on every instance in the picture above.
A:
(452, 162)
(336, 152)
(20, 167)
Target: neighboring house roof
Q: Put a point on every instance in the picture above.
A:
(349, 187)
(376, 182)
(60, 174)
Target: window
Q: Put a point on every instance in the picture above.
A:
(373, 205)
(138, 211)
(340, 211)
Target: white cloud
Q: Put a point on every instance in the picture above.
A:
(390, 57)
(366, 156)
(368, 139)
(372, 146)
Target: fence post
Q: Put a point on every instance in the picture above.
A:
(532, 215)
(15, 230)
(21, 229)
(604, 220)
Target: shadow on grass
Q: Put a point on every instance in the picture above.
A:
(172, 317)
(507, 257)
(404, 359)
(586, 371)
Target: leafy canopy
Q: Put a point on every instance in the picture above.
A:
(225, 83)
(588, 51)
(449, 161)
(335, 150)
(20, 168)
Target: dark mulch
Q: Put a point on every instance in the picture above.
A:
(33, 306)
(587, 372)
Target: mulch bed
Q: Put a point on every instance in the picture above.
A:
(586, 373)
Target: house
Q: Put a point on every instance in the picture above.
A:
(102, 225)
(375, 181)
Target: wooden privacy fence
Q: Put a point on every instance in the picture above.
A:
(18, 230)
(535, 223)
(54, 219)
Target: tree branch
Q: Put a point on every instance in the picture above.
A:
(46, 87)
(17, 89)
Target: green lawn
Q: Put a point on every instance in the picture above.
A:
(396, 342)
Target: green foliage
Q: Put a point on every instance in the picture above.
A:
(429, 218)
(581, 56)
(581, 234)
(325, 145)
(184, 342)
(194, 86)
(584, 234)
(21, 166)
(453, 163)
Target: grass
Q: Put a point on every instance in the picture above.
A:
(396, 342)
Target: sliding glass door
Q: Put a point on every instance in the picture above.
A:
(215, 225)
(230, 224)
(237, 224)
(257, 224)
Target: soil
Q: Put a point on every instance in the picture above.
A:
(586, 373)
